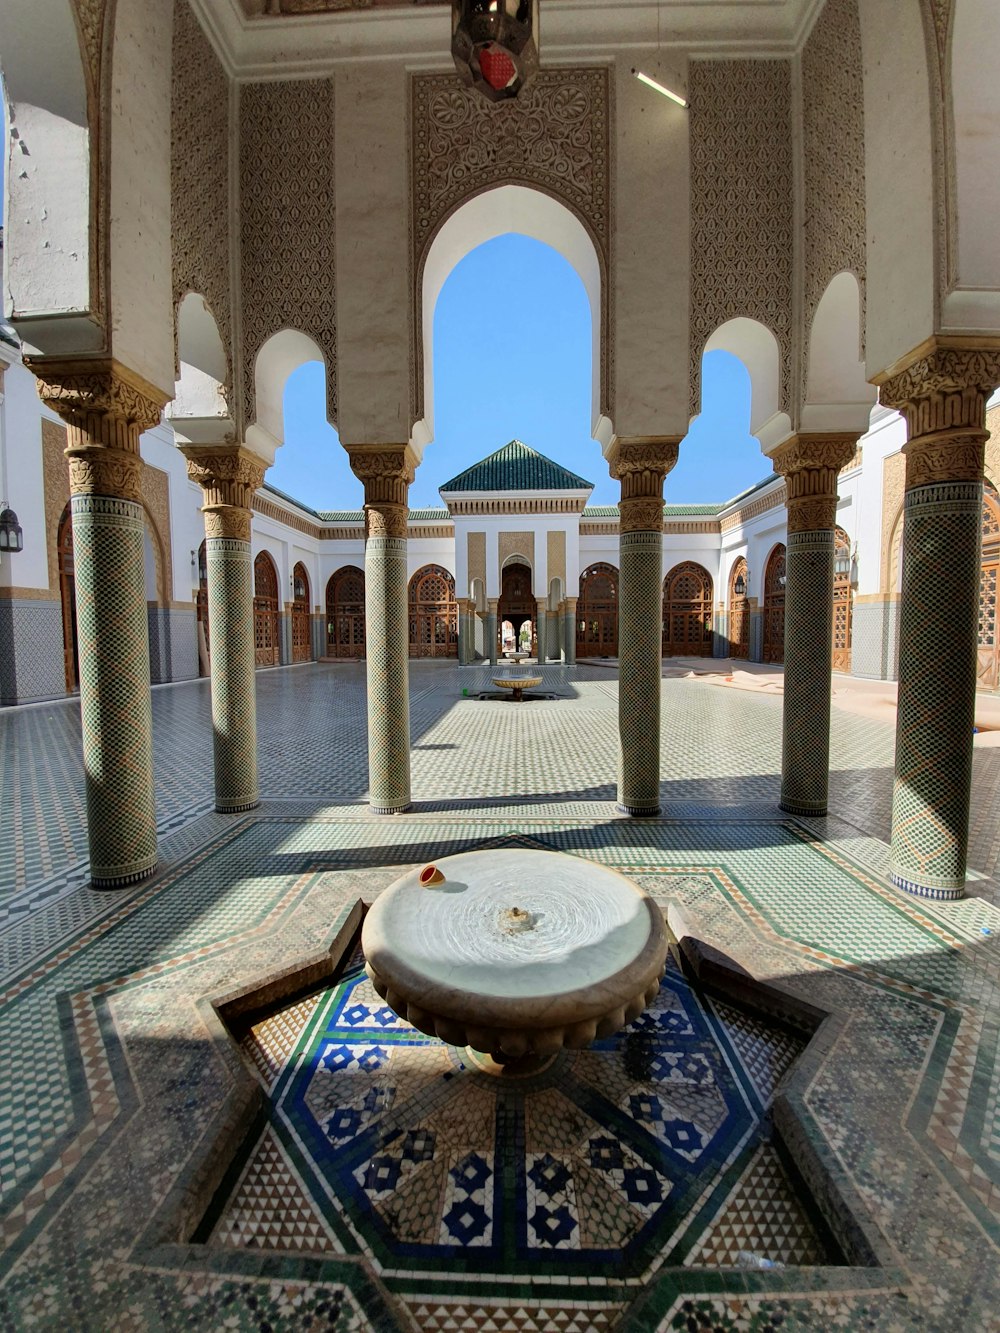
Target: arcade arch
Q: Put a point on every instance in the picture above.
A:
(433, 613)
(687, 611)
(597, 612)
(345, 613)
(301, 615)
(265, 611)
(774, 606)
(739, 610)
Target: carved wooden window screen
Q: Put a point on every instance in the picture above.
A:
(739, 613)
(597, 612)
(687, 611)
(774, 606)
(345, 613)
(842, 604)
(67, 595)
(301, 621)
(265, 611)
(433, 613)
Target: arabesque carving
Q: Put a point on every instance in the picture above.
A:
(641, 463)
(386, 471)
(229, 476)
(104, 471)
(385, 520)
(231, 524)
(287, 211)
(833, 130)
(639, 514)
(958, 457)
(555, 137)
(945, 390)
(811, 465)
(199, 173)
(741, 204)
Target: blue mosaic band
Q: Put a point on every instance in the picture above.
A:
(113, 637)
(234, 688)
(639, 669)
(387, 634)
(937, 688)
(805, 753)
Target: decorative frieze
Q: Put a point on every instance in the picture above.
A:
(512, 505)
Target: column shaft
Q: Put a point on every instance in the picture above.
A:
(541, 629)
(105, 409)
(569, 630)
(491, 629)
(943, 397)
(387, 472)
(810, 465)
(229, 476)
(641, 466)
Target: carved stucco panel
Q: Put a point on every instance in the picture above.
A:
(741, 204)
(287, 221)
(893, 485)
(517, 543)
(833, 159)
(199, 173)
(477, 558)
(556, 556)
(555, 137)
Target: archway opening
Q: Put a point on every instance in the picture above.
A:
(597, 612)
(345, 613)
(774, 606)
(516, 608)
(433, 613)
(301, 615)
(738, 627)
(265, 611)
(687, 611)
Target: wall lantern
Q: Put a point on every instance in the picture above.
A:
(495, 45)
(11, 532)
(740, 585)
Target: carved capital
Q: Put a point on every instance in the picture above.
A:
(228, 475)
(944, 457)
(492, 605)
(103, 403)
(810, 465)
(105, 407)
(570, 604)
(944, 390)
(385, 469)
(641, 462)
(228, 522)
(386, 520)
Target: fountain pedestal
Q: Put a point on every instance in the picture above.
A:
(516, 954)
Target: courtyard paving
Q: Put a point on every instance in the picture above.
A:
(321, 1166)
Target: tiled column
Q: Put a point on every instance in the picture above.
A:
(541, 628)
(943, 397)
(105, 409)
(229, 475)
(810, 465)
(640, 465)
(493, 604)
(387, 471)
(569, 630)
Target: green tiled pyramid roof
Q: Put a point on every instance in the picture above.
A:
(515, 467)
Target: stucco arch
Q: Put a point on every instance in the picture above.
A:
(838, 395)
(278, 357)
(499, 211)
(199, 410)
(756, 346)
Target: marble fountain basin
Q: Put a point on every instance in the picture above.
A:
(515, 954)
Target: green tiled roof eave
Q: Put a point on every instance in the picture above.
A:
(669, 511)
(516, 467)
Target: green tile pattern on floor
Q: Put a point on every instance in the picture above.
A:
(113, 1078)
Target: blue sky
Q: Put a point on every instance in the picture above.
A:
(491, 386)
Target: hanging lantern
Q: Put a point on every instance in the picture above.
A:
(495, 44)
(11, 532)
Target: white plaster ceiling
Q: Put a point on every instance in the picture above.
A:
(255, 43)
